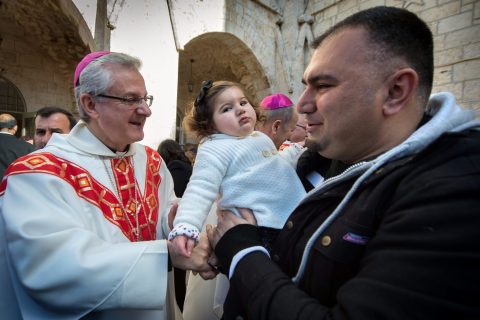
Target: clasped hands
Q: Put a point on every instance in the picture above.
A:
(200, 258)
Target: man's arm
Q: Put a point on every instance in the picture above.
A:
(420, 263)
(60, 249)
(257, 283)
(168, 203)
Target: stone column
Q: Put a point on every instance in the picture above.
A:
(102, 31)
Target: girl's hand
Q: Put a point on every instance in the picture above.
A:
(198, 262)
(183, 246)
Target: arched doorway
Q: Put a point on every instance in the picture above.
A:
(216, 56)
(13, 102)
(41, 46)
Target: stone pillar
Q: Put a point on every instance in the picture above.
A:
(102, 31)
(302, 51)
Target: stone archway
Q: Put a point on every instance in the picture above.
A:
(41, 42)
(11, 99)
(55, 26)
(217, 56)
(13, 102)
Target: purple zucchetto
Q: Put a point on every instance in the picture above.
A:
(84, 63)
(276, 101)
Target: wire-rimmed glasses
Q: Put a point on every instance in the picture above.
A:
(131, 101)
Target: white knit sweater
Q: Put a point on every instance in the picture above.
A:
(245, 172)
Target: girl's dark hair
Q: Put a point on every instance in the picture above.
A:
(171, 150)
(199, 120)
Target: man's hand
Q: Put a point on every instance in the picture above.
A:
(226, 221)
(198, 261)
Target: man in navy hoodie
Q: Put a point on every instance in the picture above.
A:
(395, 234)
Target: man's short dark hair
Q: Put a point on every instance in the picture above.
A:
(46, 112)
(396, 33)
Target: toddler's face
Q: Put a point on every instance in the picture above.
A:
(233, 114)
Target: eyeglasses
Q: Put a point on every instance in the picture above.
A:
(138, 101)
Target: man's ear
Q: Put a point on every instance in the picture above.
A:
(402, 85)
(88, 105)
(276, 125)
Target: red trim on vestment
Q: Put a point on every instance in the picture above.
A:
(97, 194)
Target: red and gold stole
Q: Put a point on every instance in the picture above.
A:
(97, 194)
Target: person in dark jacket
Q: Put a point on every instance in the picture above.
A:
(312, 167)
(11, 147)
(177, 163)
(393, 236)
(181, 169)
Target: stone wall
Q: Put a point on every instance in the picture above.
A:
(40, 45)
(255, 26)
(33, 72)
(278, 32)
(456, 27)
(263, 44)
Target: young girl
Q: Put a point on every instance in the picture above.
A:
(236, 162)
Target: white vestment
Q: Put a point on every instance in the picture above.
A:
(67, 250)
